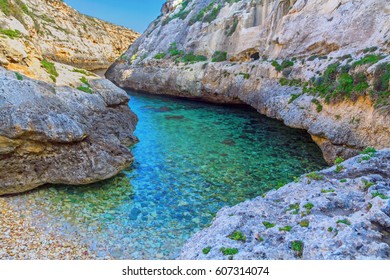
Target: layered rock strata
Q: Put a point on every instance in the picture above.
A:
(33, 30)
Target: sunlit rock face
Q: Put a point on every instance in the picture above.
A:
(236, 43)
(51, 29)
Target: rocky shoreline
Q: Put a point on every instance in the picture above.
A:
(22, 240)
(340, 213)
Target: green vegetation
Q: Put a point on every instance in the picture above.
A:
(315, 176)
(246, 76)
(82, 71)
(231, 29)
(192, 58)
(304, 223)
(381, 195)
(308, 206)
(294, 208)
(339, 82)
(339, 168)
(286, 228)
(232, 1)
(259, 238)
(368, 59)
(86, 89)
(293, 97)
(368, 153)
(207, 14)
(338, 160)
(330, 229)
(206, 250)
(268, 225)
(343, 180)
(18, 10)
(372, 49)
(173, 51)
(84, 81)
(318, 104)
(297, 246)
(327, 191)
(381, 91)
(182, 13)
(229, 251)
(238, 236)
(292, 83)
(344, 221)
(50, 69)
(160, 55)
(19, 76)
(367, 184)
(13, 34)
(5, 7)
(280, 67)
(219, 56)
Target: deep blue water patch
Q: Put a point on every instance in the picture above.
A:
(193, 158)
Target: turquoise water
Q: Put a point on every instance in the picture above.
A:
(192, 159)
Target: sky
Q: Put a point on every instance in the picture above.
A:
(134, 14)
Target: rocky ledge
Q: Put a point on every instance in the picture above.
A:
(61, 135)
(339, 213)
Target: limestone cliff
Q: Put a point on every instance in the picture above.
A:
(33, 30)
(319, 65)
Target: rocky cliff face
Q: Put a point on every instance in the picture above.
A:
(31, 30)
(59, 135)
(321, 65)
(333, 214)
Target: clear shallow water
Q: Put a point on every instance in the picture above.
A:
(193, 159)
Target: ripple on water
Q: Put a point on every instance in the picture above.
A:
(192, 159)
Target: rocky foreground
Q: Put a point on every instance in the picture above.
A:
(319, 65)
(339, 213)
(58, 135)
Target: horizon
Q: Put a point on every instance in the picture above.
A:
(135, 15)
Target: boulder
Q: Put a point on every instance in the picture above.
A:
(61, 135)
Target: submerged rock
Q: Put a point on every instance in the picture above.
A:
(61, 135)
(338, 213)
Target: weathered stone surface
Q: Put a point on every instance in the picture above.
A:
(336, 215)
(54, 30)
(268, 30)
(59, 135)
